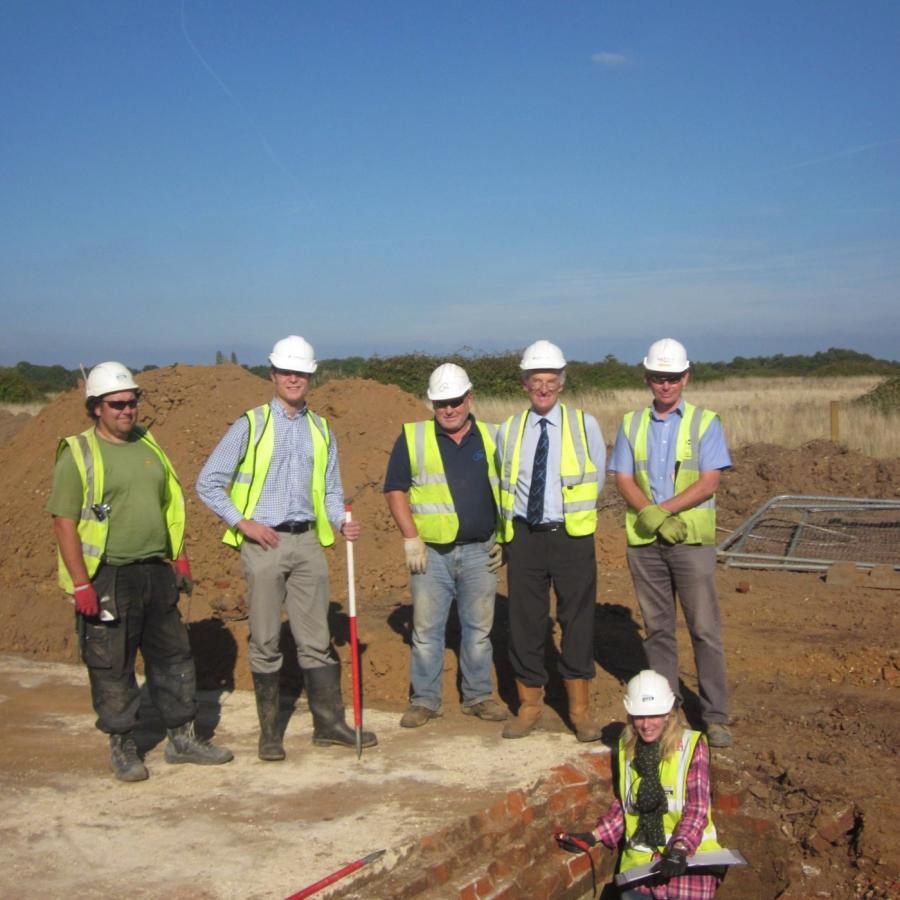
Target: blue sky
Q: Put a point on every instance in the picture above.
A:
(386, 177)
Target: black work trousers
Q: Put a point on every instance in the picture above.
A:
(145, 602)
(537, 560)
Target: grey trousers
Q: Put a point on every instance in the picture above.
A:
(659, 572)
(292, 576)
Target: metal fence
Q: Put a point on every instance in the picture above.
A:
(809, 534)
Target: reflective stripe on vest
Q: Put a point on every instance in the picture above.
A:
(92, 532)
(248, 481)
(700, 519)
(673, 772)
(578, 474)
(430, 499)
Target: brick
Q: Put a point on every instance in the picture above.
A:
(439, 874)
(567, 774)
(578, 866)
(527, 816)
(515, 802)
(727, 803)
(497, 812)
(431, 844)
(498, 870)
(557, 803)
(517, 857)
(600, 764)
(512, 892)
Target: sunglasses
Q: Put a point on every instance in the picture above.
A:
(121, 404)
(453, 404)
(657, 378)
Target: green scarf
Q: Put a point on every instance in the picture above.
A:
(650, 803)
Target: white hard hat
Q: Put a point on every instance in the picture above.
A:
(542, 355)
(294, 354)
(666, 355)
(107, 378)
(648, 694)
(447, 382)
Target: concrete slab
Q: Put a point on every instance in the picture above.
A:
(248, 829)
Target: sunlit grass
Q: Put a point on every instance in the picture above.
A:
(788, 412)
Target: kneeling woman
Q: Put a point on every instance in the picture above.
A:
(662, 809)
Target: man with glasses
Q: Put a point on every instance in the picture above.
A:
(441, 489)
(275, 481)
(118, 515)
(552, 466)
(667, 462)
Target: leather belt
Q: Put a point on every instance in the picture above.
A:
(542, 527)
(294, 527)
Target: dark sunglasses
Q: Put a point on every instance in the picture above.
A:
(456, 401)
(657, 378)
(121, 404)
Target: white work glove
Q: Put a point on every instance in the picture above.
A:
(495, 559)
(416, 554)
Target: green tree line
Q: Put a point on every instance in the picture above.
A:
(494, 374)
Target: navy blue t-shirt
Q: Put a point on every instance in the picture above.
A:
(465, 465)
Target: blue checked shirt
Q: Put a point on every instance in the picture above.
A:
(286, 495)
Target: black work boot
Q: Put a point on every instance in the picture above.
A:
(266, 686)
(323, 689)
(185, 747)
(124, 759)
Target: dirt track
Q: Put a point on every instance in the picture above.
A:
(814, 668)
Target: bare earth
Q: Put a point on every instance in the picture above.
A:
(813, 666)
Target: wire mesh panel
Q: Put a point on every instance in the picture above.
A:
(812, 533)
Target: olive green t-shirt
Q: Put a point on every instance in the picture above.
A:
(134, 486)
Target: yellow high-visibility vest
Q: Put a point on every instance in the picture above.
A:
(701, 519)
(578, 474)
(673, 772)
(252, 470)
(93, 532)
(430, 499)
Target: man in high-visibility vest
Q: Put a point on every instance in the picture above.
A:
(118, 516)
(552, 466)
(275, 481)
(442, 490)
(667, 462)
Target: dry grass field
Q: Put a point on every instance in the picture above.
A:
(788, 412)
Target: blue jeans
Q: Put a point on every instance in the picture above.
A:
(460, 573)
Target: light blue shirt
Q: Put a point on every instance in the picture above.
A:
(553, 500)
(662, 438)
(287, 492)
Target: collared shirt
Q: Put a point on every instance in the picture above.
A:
(286, 495)
(467, 478)
(611, 831)
(553, 500)
(662, 440)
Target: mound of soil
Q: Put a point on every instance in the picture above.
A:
(814, 668)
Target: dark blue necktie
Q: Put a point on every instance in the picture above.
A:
(538, 477)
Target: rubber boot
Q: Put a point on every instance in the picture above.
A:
(530, 708)
(586, 729)
(185, 747)
(323, 690)
(124, 759)
(266, 686)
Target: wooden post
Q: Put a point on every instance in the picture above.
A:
(835, 422)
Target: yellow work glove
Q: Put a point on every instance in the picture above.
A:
(673, 530)
(650, 518)
(495, 559)
(416, 554)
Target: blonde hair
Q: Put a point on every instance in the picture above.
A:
(668, 740)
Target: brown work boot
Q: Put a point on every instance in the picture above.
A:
(586, 729)
(530, 708)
